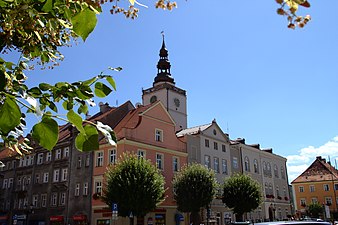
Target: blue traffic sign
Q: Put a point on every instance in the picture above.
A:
(114, 207)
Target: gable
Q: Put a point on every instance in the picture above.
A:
(158, 111)
(215, 132)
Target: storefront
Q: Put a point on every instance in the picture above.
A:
(80, 219)
(4, 220)
(56, 220)
(160, 219)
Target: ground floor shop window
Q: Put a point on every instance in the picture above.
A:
(103, 222)
(160, 219)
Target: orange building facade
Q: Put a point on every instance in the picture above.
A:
(317, 184)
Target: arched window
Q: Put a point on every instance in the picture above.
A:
(265, 170)
(271, 190)
(247, 164)
(275, 171)
(282, 172)
(256, 168)
(269, 169)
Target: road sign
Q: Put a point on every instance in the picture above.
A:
(114, 207)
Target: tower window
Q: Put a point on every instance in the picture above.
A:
(159, 135)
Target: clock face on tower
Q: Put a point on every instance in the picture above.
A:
(153, 99)
(177, 102)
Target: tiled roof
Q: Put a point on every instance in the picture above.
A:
(319, 170)
(193, 130)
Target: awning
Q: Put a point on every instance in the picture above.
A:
(5, 217)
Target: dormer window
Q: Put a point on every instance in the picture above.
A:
(158, 135)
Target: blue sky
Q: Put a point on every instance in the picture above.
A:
(238, 62)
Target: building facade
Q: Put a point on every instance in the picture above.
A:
(317, 184)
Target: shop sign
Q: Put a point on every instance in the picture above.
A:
(56, 218)
(21, 217)
(150, 221)
(79, 217)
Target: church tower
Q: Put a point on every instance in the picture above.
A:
(164, 89)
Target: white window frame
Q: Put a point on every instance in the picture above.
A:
(216, 164)
(10, 182)
(207, 161)
(176, 164)
(224, 166)
(112, 156)
(48, 156)
(312, 188)
(45, 177)
(159, 161)
(43, 200)
(141, 153)
(56, 175)
(37, 178)
(326, 187)
(66, 152)
(62, 198)
(85, 188)
(58, 154)
(35, 199)
(99, 158)
(39, 159)
(64, 174)
(235, 162)
(77, 189)
(301, 189)
(158, 135)
(79, 162)
(98, 187)
(5, 184)
(54, 199)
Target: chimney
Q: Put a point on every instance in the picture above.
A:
(104, 107)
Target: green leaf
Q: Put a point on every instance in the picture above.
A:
(10, 115)
(48, 6)
(101, 90)
(112, 82)
(67, 105)
(52, 106)
(44, 86)
(46, 132)
(87, 141)
(76, 120)
(84, 23)
(82, 109)
(35, 92)
(90, 81)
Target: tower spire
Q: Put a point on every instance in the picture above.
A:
(163, 66)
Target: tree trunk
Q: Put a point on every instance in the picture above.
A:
(195, 218)
(131, 220)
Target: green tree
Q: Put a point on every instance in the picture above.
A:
(135, 185)
(36, 29)
(241, 194)
(315, 209)
(194, 188)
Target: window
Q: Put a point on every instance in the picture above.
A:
(224, 166)
(9, 165)
(159, 135)
(247, 164)
(37, 178)
(275, 171)
(66, 152)
(28, 181)
(335, 187)
(235, 162)
(58, 154)
(215, 145)
(98, 187)
(40, 158)
(175, 164)
(64, 174)
(77, 189)
(268, 165)
(49, 156)
(5, 184)
(216, 165)
(62, 198)
(223, 148)
(10, 182)
(314, 200)
(301, 189)
(141, 153)
(326, 187)
(112, 156)
(87, 160)
(35, 200)
(54, 198)
(256, 170)
(312, 188)
(99, 159)
(282, 173)
(19, 181)
(85, 189)
(79, 162)
(206, 142)
(31, 160)
(56, 175)
(159, 161)
(328, 201)
(207, 162)
(45, 177)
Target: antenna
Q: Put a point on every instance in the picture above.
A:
(227, 128)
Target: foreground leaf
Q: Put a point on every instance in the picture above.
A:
(84, 23)
(10, 115)
(76, 120)
(89, 140)
(46, 133)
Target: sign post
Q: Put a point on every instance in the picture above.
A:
(115, 211)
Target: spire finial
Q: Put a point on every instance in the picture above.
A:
(163, 44)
